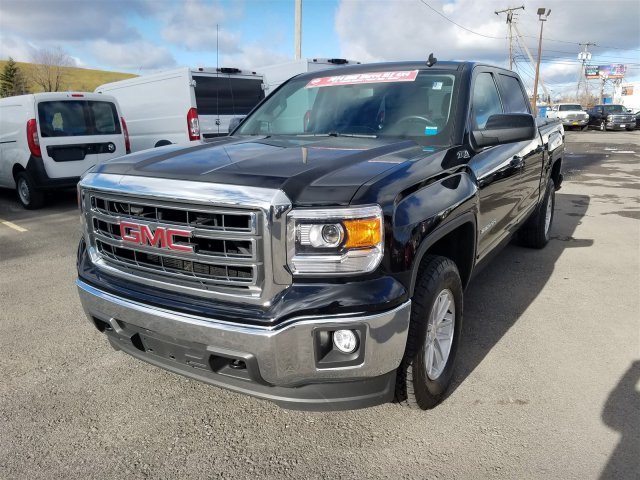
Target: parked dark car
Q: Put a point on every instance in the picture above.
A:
(637, 117)
(611, 117)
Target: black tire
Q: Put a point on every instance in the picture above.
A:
(630, 129)
(603, 126)
(29, 196)
(585, 128)
(162, 143)
(414, 387)
(535, 232)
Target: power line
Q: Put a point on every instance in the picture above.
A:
(527, 36)
(457, 24)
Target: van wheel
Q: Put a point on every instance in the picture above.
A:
(434, 334)
(535, 232)
(30, 197)
(162, 143)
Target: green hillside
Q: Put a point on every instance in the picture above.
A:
(76, 79)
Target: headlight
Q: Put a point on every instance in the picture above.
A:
(335, 241)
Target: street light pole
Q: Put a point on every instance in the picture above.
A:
(542, 16)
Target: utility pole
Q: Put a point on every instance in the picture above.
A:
(298, 31)
(542, 16)
(524, 47)
(509, 11)
(584, 56)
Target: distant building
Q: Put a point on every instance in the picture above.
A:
(630, 95)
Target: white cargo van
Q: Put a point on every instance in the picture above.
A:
(181, 105)
(47, 140)
(275, 75)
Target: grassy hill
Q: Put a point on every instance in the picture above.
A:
(77, 79)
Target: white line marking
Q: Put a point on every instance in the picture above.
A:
(13, 225)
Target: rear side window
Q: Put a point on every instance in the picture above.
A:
(226, 95)
(513, 97)
(72, 118)
(486, 101)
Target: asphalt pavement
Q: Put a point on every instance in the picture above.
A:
(547, 382)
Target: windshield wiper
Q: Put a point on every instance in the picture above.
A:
(337, 134)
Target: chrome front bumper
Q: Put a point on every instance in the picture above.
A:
(284, 355)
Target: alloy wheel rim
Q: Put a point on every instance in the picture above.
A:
(440, 331)
(548, 215)
(23, 191)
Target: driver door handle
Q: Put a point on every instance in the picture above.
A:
(517, 162)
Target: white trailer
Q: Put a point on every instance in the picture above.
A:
(275, 75)
(185, 104)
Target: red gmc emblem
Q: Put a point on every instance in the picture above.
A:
(161, 237)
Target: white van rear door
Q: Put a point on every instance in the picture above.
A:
(221, 97)
(75, 134)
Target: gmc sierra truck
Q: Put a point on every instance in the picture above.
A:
(317, 257)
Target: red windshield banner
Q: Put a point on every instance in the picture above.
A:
(359, 78)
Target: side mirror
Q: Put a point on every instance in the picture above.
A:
(506, 128)
(234, 123)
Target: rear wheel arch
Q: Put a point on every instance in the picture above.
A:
(17, 168)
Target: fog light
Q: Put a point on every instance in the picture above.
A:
(345, 340)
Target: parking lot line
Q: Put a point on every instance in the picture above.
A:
(18, 228)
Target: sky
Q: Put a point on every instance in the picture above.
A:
(141, 36)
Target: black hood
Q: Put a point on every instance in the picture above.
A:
(310, 170)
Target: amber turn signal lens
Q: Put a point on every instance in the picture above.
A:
(364, 232)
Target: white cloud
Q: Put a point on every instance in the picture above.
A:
(136, 56)
(192, 25)
(70, 20)
(372, 30)
(15, 48)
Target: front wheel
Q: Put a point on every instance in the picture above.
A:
(603, 126)
(426, 370)
(30, 197)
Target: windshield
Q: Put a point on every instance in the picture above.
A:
(392, 104)
(615, 109)
(568, 108)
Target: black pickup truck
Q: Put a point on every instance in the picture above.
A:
(611, 117)
(317, 257)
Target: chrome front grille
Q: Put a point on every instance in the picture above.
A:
(224, 243)
(621, 118)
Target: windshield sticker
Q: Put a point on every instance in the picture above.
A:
(361, 78)
(437, 86)
(428, 130)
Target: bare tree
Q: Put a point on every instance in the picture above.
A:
(49, 66)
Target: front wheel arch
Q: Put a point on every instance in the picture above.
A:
(435, 244)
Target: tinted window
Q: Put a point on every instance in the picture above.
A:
(514, 99)
(569, 108)
(486, 101)
(225, 95)
(69, 118)
(615, 109)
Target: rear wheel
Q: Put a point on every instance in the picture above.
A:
(30, 197)
(630, 129)
(434, 333)
(535, 232)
